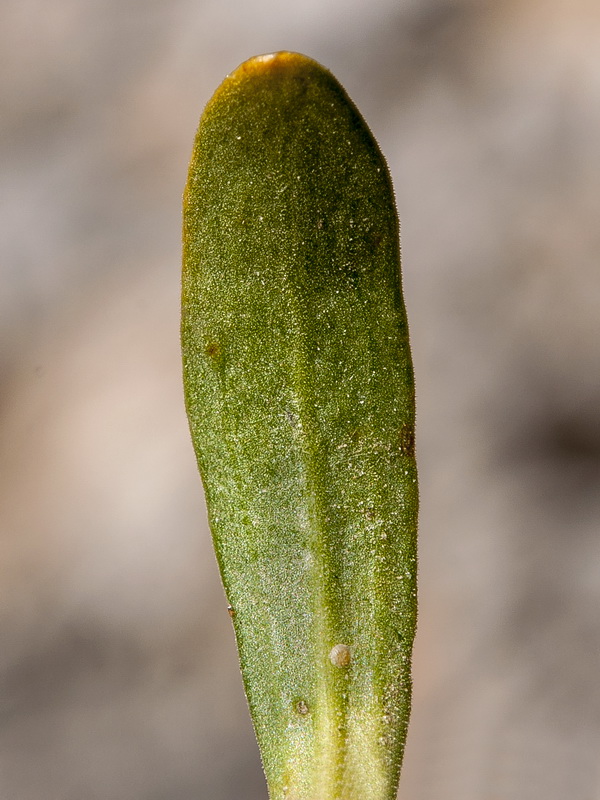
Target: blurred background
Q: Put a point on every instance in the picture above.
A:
(117, 661)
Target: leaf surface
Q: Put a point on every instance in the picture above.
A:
(300, 395)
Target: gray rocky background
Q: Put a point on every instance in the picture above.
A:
(119, 675)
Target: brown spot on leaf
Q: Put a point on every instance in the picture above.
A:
(407, 440)
(358, 433)
(301, 707)
(213, 350)
(340, 655)
(376, 239)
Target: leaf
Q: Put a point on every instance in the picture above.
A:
(300, 396)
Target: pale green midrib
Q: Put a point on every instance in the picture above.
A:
(328, 744)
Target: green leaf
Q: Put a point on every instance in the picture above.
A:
(300, 396)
